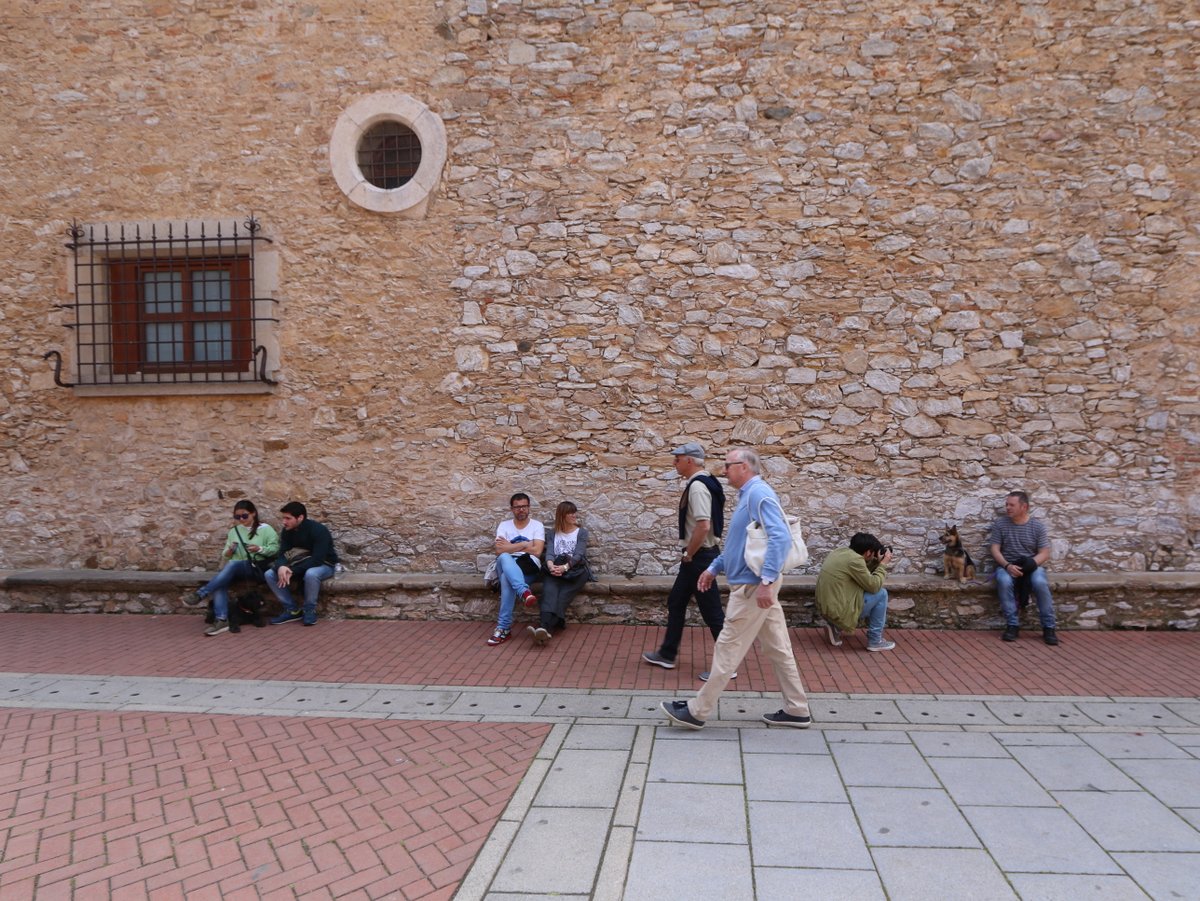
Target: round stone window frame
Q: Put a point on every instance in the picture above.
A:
(410, 200)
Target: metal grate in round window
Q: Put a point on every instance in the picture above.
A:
(389, 154)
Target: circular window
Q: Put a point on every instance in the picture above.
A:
(389, 155)
(387, 152)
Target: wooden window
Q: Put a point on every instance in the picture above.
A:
(181, 315)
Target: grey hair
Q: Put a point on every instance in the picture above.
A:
(748, 456)
(699, 461)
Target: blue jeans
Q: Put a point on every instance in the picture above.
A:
(218, 587)
(313, 577)
(1008, 597)
(875, 611)
(513, 583)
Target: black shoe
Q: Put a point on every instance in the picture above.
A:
(677, 712)
(1049, 636)
(657, 659)
(783, 718)
(1010, 633)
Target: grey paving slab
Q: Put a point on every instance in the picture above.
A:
(1039, 713)
(1033, 737)
(261, 696)
(1130, 821)
(1065, 769)
(1174, 782)
(802, 834)
(1184, 739)
(911, 817)
(1118, 713)
(984, 780)
(1073, 887)
(674, 812)
(958, 744)
(710, 761)
(1134, 745)
(577, 704)
(1164, 875)
(712, 871)
(88, 691)
(1192, 815)
(614, 866)
(409, 701)
(784, 741)
(1185, 709)
(884, 736)
(159, 693)
(583, 779)
(1038, 840)
(547, 837)
(898, 766)
(940, 874)
(792, 777)
(847, 711)
(318, 698)
(492, 703)
(674, 733)
(779, 884)
(744, 710)
(600, 738)
(15, 685)
(941, 713)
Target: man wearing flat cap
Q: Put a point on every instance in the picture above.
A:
(701, 522)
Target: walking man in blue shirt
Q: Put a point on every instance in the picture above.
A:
(753, 610)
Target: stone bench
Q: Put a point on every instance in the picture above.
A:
(1138, 600)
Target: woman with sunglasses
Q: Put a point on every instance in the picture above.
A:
(248, 541)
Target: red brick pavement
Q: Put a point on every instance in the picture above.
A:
(136, 805)
(1161, 664)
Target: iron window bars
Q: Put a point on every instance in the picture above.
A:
(167, 303)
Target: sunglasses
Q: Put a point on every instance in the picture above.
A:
(241, 516)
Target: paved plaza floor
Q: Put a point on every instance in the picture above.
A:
(368, 760)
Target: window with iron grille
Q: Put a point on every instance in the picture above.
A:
(389, 154)
(174, 303)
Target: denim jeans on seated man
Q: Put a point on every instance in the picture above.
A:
(218, 586)
(1008, 597)
(513, 582)
(313, 577)
(875, 612)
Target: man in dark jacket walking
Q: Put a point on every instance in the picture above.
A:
(306, 553)
(701, 522)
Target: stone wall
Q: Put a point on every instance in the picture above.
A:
(917, 253)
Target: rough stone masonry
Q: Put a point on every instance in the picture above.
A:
(917, 253)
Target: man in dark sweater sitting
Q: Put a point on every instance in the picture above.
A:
(306, 553)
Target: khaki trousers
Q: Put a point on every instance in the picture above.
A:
(744, 622)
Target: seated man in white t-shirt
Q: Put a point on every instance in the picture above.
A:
(519, 543)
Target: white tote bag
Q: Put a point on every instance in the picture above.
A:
(756, 544)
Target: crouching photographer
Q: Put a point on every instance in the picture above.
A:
(850, 588)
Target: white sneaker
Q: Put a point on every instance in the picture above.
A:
(882, 645)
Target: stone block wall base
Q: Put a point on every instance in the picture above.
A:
(1082, 600)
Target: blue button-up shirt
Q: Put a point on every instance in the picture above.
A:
(756, 501)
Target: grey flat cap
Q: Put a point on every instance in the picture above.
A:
(691, 449)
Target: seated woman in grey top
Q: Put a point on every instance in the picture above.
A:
(565, 571)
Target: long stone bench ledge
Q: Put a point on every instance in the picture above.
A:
(376, 582)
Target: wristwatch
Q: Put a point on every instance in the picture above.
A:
(767, 581)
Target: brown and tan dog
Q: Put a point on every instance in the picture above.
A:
(957, 562)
